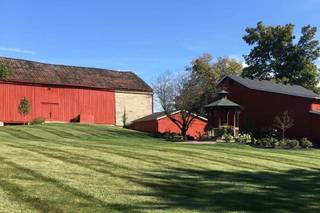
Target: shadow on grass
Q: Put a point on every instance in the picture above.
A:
(192, 189)
(73, 198)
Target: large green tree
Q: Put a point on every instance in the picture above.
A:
(205, 73)
(276, 55)
(190, 91)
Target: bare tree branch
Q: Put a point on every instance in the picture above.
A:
(283, 122)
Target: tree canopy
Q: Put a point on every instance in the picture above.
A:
(205, 73)
(275, 54)
(5, 71)
(178, 93)
(190, 91)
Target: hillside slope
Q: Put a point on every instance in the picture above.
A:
(82, 168)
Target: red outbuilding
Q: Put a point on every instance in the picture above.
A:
(261, 101)
(160, 123)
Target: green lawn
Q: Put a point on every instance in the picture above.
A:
(82, 168)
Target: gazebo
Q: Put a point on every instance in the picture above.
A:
(223, 113)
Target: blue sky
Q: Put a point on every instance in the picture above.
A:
(145, 36)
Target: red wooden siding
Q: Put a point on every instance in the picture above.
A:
(57, 103)
(260, 108)
(163, 125)
(315, 128)
(196, 128)
(145, 126)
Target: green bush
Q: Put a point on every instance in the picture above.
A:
(224, 131)
(305, 143)
(268, 132)
(284, 144)
(289, 144)
(228, 138)
(37, 121)
(244, 138)
(267, 142)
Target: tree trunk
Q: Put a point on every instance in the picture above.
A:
(184, 135)
(283, 134)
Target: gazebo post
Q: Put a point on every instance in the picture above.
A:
(227, 117)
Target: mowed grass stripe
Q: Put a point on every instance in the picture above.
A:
(95, 168)
(191, 159)
(285, 161)
(41, 204)
(286, 158)
(293, 154)
(224, 160)
(249, 164)
(152, 160)
(84, 169)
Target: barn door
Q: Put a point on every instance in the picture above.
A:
(50, 111)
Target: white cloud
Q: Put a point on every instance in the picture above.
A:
(17, 50)
(240, 59)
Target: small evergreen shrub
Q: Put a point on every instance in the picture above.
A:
(24, 107)
(37, 121)
(125, 118)
(305, 143)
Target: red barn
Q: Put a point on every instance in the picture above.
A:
(261, 101)
(159, 123)
(70, 93)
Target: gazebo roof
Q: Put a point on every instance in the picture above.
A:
(223, 103)
(223, 92)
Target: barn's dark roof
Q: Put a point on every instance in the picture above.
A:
(269, 86)
(25, 71)
(151, 117)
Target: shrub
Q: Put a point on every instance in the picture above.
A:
(171, 136)
(267, 142)
(244, 138)
(268, 132)
(125, 118)
(284, 144)
(37, 121)
(305, 143)
(228, 138)
(289, 144)
(224, 131)
(24, 107)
